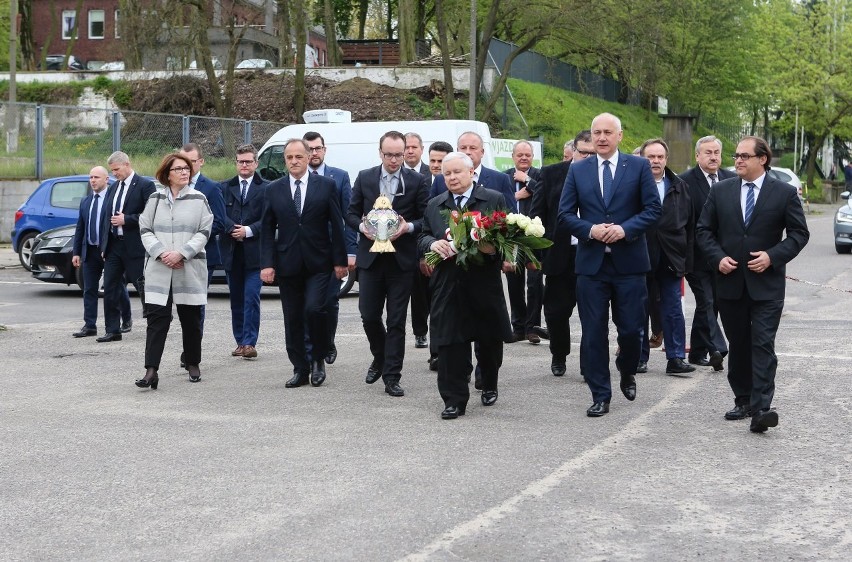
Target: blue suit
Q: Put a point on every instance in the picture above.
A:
(615, 275)
(489, 179)
(213, 192)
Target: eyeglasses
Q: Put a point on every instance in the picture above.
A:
(587, 152)
(743, 157)
(180, 169)
(316, 148)
(245, 162)
(392, 156)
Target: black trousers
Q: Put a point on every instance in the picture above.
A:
(706, 335)
(421, 300)
(560, 298)
(454, 366)
(751, 326)
(118, 266)
(525, 309)
(159, 319)
(382, 285)
(303, 300)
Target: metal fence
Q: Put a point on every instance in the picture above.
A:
(52, 140)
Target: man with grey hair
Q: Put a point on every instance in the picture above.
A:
(568, 151)
(467, 304)
(608, 203)
(706, 341)
(121, 242)
(413, 159)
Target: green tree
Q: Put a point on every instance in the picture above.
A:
(5, 28)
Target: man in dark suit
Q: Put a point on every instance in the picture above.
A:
(742, 232)
(240, 249)
(420, 284)
(87, 255)
(467, 304)
(608, 203)
(121, 243)
(317, 165)
(386, 277)
(560, 289)
(706, 342)
(670, 243)
(472, 144)
(305, 211)
(525, 309)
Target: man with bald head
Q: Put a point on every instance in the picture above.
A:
(90, 229)
(608, 203)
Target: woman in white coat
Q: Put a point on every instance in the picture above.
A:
(175, 227)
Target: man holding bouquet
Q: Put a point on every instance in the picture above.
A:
(467, 299)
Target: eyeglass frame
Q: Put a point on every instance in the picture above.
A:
(744, 157)
(181, 169)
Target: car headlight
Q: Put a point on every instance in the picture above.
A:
(62, 241)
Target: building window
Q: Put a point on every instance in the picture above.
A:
(117, 34)
(69, 24)
(96, 24)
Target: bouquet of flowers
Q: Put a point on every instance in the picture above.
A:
(512, 235)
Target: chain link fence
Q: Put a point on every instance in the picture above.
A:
(44, 141)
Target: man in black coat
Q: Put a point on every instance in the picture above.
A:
(305, 211)
(387, 277)
(240, 249)
(467, 304)
(121, 243)
(560, 288)
(742, 233)
(525, 309)
(670, 243)
(706, 340)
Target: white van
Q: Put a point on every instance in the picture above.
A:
(355, 146)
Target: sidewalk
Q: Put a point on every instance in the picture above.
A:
(8, 258)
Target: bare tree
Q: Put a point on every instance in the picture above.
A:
(329, 24)
(300, 25)
(449, 90)
(285, 34)
(405, 32)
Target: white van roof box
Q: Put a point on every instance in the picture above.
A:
(327, 116)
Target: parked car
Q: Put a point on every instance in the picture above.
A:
(54, 203)
(255, 63)
(51, 257)
(787, 176)
(843, 227)
(57, 62)
(115, 65)
(216, 65)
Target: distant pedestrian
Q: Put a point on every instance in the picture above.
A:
(847, 175)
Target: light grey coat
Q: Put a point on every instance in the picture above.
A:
(182, 225)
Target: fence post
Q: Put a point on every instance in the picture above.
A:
(246, 132)
(116, 131)
(185, 129)
(39, 142)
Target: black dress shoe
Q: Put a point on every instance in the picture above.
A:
(194, 373)
(477, 378)
(518, 336)
(183, 360)
(299, 379)
(628, 387)
(557, 367)
(489, 397)
(421, 342)
(740, 412)
(149, 380)
(642, 367)
(700, 361)
(543, 333)
(109, 337)
(126, 326)
(598, 409)
(318, 373)
(332, 354)
(763, 420)
(716, 361)
(678, 366)
(452, 412)
(85, 332)
(374, 373)
(433, 364)
(394, 389)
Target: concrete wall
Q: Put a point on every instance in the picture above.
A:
(13, 193)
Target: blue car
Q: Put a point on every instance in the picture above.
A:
(54, 203)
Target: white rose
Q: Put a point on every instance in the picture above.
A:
(537, 221)
(523, 221)
(511, 218)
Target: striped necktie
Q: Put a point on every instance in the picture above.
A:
(749, 209)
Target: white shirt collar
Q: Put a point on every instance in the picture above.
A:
(320, 170)
(758, 183)
(303, 179)
(613, 160)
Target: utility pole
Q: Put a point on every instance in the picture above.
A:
(471, 110)
(11, 113)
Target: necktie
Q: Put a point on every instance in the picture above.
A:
(314, 172)
(243, 191)
(749, 203)
(116, 206)
(459, 200)
(93, 221)
(607, 182)
(297, 197)
(712, 179)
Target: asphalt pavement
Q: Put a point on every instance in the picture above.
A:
(238, 467)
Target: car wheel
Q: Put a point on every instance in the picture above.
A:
(25, 253)
(842, 248)
(346, 284)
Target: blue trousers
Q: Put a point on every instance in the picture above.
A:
(244, 286)
(671, 315)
